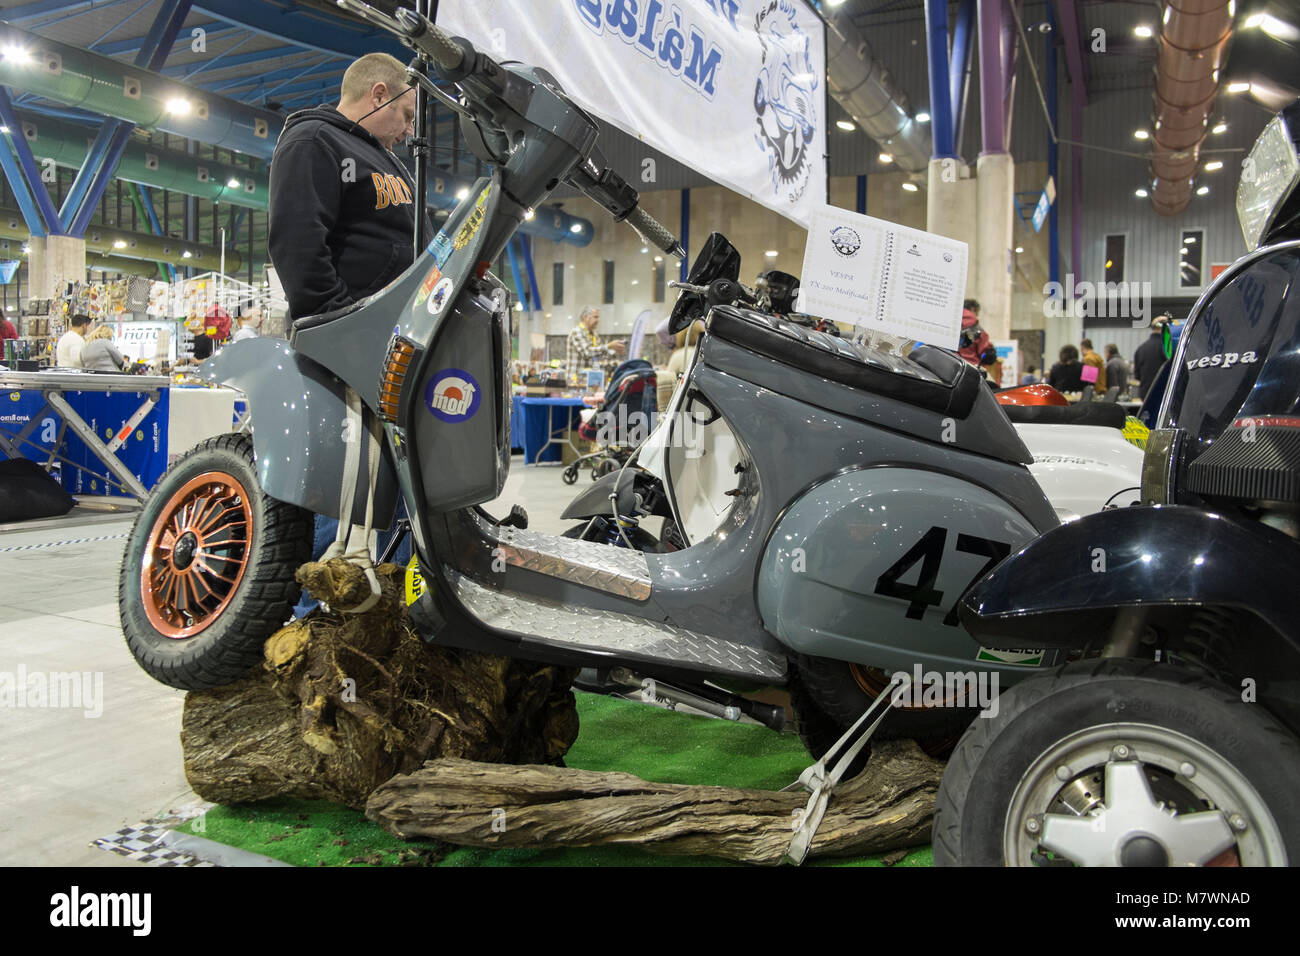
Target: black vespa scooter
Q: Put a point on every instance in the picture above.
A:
(1172, 740)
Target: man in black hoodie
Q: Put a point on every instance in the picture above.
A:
(342, 206)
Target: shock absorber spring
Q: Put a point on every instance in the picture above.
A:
(1209, 643)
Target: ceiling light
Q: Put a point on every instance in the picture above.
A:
(1190, 240)
(845, 125)
(187, 254)
(462, 193)
(645, 248)
(1238, 87)
(1203, 190)
(635, 281)
(1141, 193)
(1019, 249)
(26, 249)
(1221, 128)
(886, 157)
(528, 214)
(178, 106)
(923, 117)
(659, 258)
(771, 253)
(576, 227)
(119, 243)
(1141, 134)
(4, 129)
(1212, 166)
(1143, 31)
(1183, 251)
(232, 183)
(909, 187)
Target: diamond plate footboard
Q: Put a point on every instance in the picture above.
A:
(610, 632)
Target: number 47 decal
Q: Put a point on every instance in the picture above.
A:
(929, 551)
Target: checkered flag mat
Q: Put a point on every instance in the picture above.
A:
(144, 844)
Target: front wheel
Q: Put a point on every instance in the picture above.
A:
(1121, 763)
(208, 573)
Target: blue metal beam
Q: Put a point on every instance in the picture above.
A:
(106, 151)
(526, 243)
(1053, 160)
(118, 25)
(154, 224)
(218, 58)
(135, 44)
(959, 69)
(282, 76)
(27, 174)
(308, 28)
(43, 8)
(18, 184)
(520, 293)
(936, 28)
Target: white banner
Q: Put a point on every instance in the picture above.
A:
(735, 89)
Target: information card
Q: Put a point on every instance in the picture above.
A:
(883, 277)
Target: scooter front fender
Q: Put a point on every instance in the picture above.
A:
(1063, 588)
(300, 428)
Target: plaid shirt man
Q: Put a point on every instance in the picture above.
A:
(583, 351)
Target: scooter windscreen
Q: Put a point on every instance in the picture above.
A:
(718, 259)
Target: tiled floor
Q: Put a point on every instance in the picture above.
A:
(68, 778)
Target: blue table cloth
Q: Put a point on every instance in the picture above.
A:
(561, 412)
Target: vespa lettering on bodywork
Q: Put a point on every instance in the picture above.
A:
(453, 395)
(1222, 360)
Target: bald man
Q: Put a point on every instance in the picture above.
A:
(342, 206)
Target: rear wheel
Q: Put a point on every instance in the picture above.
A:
(1121, 763)
(208, 573)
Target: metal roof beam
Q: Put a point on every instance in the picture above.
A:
(186, 70)
(135, 44)
(310, 29)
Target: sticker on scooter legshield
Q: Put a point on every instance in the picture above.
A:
(441, 293)
(1020, 657)
(453, 395)
(428, 285)
(441, 249)
(414, 581)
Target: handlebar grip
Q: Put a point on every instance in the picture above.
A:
(433, 41)
(654, 233)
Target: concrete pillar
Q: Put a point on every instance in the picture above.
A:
(950, 209)
(53, 262)
(995, 177)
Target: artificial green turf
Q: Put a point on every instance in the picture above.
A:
(657, 745)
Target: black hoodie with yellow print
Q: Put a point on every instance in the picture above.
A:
(342, 212)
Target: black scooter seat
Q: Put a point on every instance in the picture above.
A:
(929, 378)
(1105, 414)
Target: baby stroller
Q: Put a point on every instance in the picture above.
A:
(624, 419)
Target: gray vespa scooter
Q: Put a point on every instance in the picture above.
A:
(873, 487)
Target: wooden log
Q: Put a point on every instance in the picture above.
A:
(344, 702)
(888, 806)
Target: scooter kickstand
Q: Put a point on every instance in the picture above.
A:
(820, 784)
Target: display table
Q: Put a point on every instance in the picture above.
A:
(117, 421)
(540, 428)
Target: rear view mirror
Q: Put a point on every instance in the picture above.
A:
(717, 259)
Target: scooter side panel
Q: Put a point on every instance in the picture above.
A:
(1065, 586)
(1083, 468)
(870, 565)
(300, 428)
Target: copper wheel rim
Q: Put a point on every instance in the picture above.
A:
(196, 555)
(873, 683)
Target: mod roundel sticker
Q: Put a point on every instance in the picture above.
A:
(453, 395)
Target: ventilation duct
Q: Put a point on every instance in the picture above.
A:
(1194, 37)
(865, 89)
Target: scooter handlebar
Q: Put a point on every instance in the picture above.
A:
(651, 231)
(416, 31)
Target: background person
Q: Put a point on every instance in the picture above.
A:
(583, 350)
(250, 323)
(1090, 357)
(67, 353)
(1150, 355)
(1031, 376)
(7, 329)
(342, 206)
(1116, 369)
(100, 354)
(687, 340)
(974, 340)
(1065, 375)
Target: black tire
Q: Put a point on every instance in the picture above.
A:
(273, 544)
(832, 687)
(991, 760)
(569, 475)
(817, 731)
